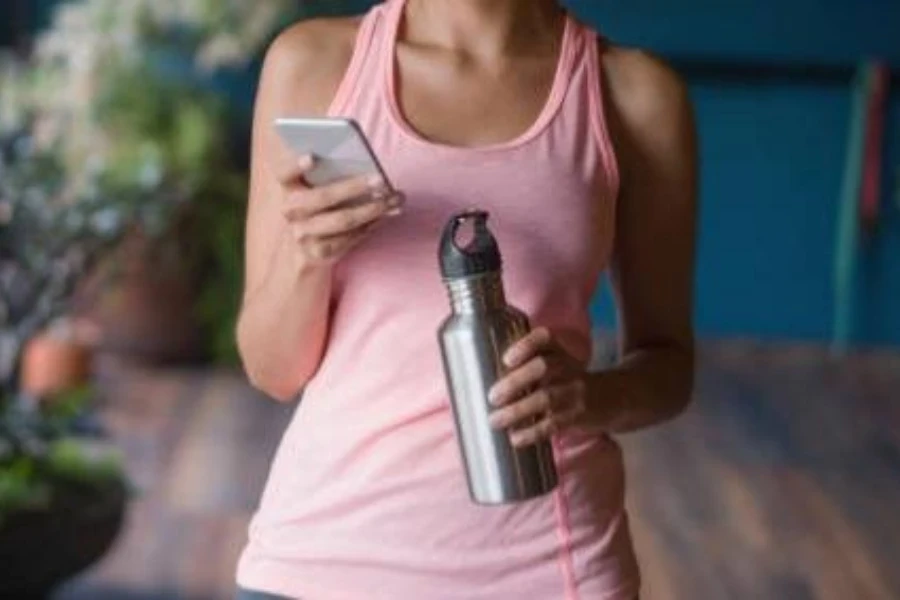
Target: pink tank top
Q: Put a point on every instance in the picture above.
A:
(366, 498)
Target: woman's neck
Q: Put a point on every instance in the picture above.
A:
(483, 27)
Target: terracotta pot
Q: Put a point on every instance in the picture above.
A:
(55, 362)
(143, 308)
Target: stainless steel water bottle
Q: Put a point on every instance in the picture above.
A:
(473, 339)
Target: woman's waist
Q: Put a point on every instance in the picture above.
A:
(400, 421)
(365, 476)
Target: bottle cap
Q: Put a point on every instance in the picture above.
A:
(477, 255)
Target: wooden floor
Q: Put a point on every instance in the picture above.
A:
(781, 482)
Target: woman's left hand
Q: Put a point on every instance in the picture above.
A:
(545, 391)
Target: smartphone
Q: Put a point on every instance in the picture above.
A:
(339, 146)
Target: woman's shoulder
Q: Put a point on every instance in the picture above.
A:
(647, 104)
(309, 58)
(642, 87)
(315, 41)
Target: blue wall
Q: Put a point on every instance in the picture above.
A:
(772, 160)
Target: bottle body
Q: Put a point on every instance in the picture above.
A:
(473, 340)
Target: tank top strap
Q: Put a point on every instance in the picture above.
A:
(365, 59)
(594, 45)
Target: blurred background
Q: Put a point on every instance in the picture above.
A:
(132, 452)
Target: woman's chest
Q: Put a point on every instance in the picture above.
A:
(457, 103)
(552, 222)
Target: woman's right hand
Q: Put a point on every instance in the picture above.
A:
(328, 221)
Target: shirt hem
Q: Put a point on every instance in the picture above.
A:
(271, 577)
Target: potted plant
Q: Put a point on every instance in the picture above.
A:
(156, 95)
(63, 491)
(57, 361)
(86, 164)
(63, 495)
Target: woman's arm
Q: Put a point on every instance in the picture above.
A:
(652, 126)
(283, 324)
(547, 390)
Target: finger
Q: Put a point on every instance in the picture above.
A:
(396, 204)
(519, 381)
(330, 196)
(332, 248)
(542, 430)
(345, 220)
(531, 345)
(306, 202)
(292, 174)
(552, 423)
(524, 411)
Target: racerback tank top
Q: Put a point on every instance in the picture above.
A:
(366, 498)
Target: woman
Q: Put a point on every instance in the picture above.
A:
(584, 154)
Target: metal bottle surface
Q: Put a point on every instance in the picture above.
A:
(481, 327)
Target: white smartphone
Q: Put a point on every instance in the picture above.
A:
(339, 146)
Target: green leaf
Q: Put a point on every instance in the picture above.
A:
(84, 461)
(20, 489)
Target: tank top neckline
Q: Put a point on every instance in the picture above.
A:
(551, 105)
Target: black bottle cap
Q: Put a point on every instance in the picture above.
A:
(479, 255)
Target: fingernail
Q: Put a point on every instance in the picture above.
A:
(375, 182)
(495, 422)
(509, 359)
(515, 439)
(493, 396)
(305, 161)
(394, 204)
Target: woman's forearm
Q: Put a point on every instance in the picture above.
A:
(649, 386)
(283, 325)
